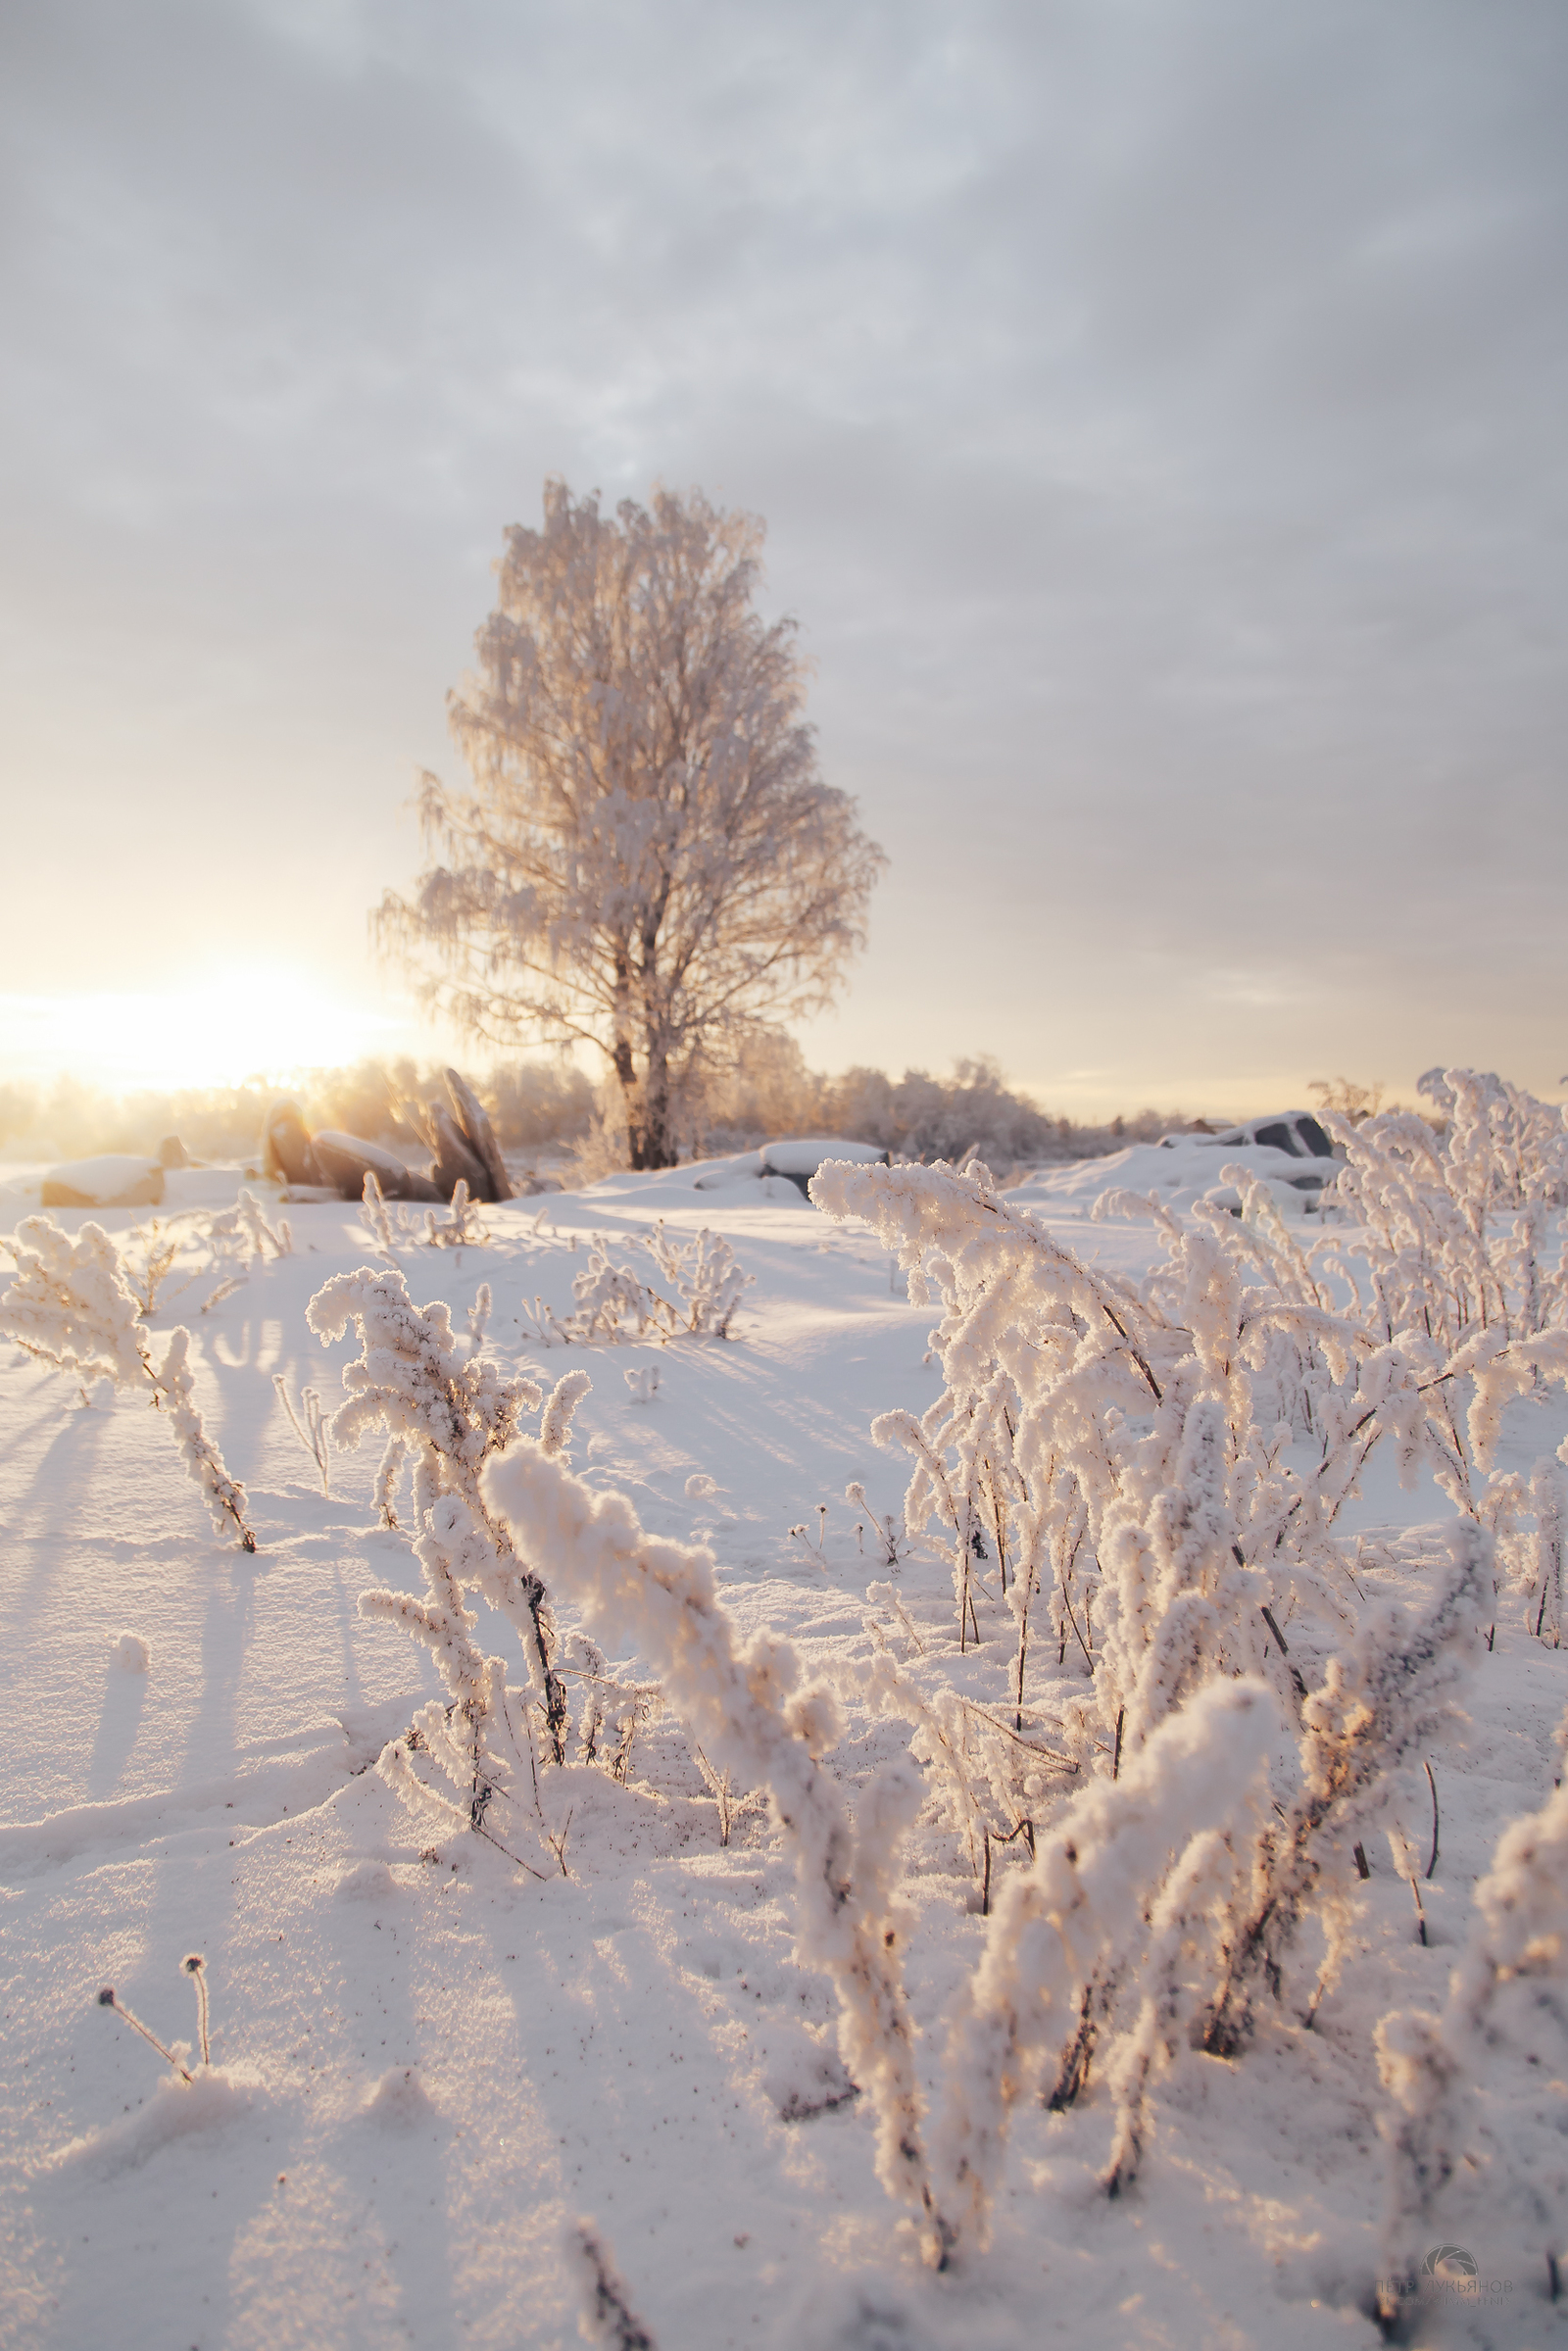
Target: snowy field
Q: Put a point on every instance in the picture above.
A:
(427, 2063)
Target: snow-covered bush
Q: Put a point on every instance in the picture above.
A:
(462, 1227)
(161, 1260)
(1160, 1468)
(450, 1412)
(1091, 1908)
(744, 1710)
(702, 1286)
(1380, 1701)
(1453, 2158)
(391, 1222)
(69, 1307)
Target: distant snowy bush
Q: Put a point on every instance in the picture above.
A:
(698, 1288)
(771, 1091)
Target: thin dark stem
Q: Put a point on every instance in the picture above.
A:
(107, 1999)
(1432, 1785)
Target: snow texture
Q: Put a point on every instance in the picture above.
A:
(1147, 2057)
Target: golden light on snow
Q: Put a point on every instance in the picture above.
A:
(236, 1022)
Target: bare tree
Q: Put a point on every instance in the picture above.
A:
(649, 858)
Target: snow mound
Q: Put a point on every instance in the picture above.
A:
(367, 1881)
(400, 2101)
(215, 2097)
(129, 1651)
(870, 2312)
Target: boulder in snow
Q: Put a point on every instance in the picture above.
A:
(347, 1160)
(800, 1156)
(286, 1144)
(479, 1135)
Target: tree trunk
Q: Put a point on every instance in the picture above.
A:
(650, 1125)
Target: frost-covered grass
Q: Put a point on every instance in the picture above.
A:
(436, 2079)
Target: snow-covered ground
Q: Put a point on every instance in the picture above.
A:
(426, 2065)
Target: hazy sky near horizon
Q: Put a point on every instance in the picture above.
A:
(1157, 410)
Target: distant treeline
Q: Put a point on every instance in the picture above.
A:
(549, 1107)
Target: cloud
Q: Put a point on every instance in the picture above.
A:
(1157, 411)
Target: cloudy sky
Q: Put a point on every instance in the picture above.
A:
(1156, 407)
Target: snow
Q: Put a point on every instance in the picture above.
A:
(1183, 1169)
(429, 2069)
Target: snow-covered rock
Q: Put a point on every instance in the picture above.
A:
(113, 1180)
(1182, 1170)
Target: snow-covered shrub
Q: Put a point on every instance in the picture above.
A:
(462, 1227)
(742, 1709)
(376, 1213)
(147, 1259)
(1451, 2157)
(704, 1276)
(885, 1532)
(703, 1285)
(1453, 1222)
(243, 1230)
(479, 1316)
(1380, 1703)
(1160, 1467)
(391, 1222)
(452, 1412)
(69, 1307)
(1122, 1451)
(1089, 1908)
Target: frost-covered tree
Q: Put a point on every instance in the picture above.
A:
(648, 860)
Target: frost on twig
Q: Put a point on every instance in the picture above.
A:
(69, 1307)
(1453, 2158)
(479, 1317)
(375, 1213)
(309, 1426)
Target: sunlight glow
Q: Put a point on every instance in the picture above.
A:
(238, 1023)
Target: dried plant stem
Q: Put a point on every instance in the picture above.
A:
(309, 1427)
(195, 1966)
(109, 1998)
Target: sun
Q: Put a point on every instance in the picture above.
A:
(238, 1021)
